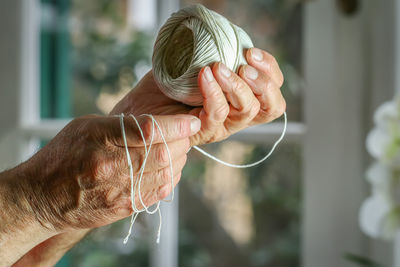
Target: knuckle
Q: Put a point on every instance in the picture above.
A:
(184, 160)
(164, 191)
(215, 93)
(102, 168)
(166, 175)
(221, 112)
(276, 111)
(111, 195)
(150, 199)
(281, 108)
(183, 145)
(187, 144)
(162, 156)
(94, 163)
(254, 109)
(273, 60)
(182, 127)
(237, 85)
(147, 130)
(269, 89)
(139, 155)
(281, 79)
(270, 59)
(269, 85)
(178, 178)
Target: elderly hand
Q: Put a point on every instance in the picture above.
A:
(231, 102)
(93, 189)
(81, 178)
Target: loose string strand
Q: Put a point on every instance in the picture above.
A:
(141, 172)
(139, 177)
(137, 184)
(251, 164)
(170, 162)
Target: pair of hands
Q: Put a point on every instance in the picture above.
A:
(80, 180)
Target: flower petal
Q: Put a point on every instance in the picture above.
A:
(372, 214)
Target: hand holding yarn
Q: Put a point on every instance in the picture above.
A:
(248, 98)
(83, 178)
(229, 102)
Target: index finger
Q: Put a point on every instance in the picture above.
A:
(158, 128)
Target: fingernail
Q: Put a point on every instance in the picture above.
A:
(208, 74)
(195, 125)
(224, 70)
(256, 54)
(250, 72)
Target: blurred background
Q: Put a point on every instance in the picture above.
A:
(60, 59)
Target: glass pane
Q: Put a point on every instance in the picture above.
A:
(275, 26)
(241, 217)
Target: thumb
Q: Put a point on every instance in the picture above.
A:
(175, 127)
(169, 127)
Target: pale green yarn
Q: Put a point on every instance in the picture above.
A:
(190, 39)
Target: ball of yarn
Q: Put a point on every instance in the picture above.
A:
(190, 39)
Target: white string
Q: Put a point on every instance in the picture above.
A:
(139, 177)
(147, 149)
(251, 164)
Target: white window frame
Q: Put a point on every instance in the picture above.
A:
(337, 51)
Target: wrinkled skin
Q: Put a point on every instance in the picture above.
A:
(80, 180)
(230, 103)
(95, 188)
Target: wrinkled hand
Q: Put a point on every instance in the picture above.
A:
(231, 102)
(81, 178)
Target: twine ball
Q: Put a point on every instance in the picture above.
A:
(190, 39)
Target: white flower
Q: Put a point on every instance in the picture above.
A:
(383, 142)
(380, 213)
(377, 142)
(379, 175)
(386, 112)
(372, 217)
